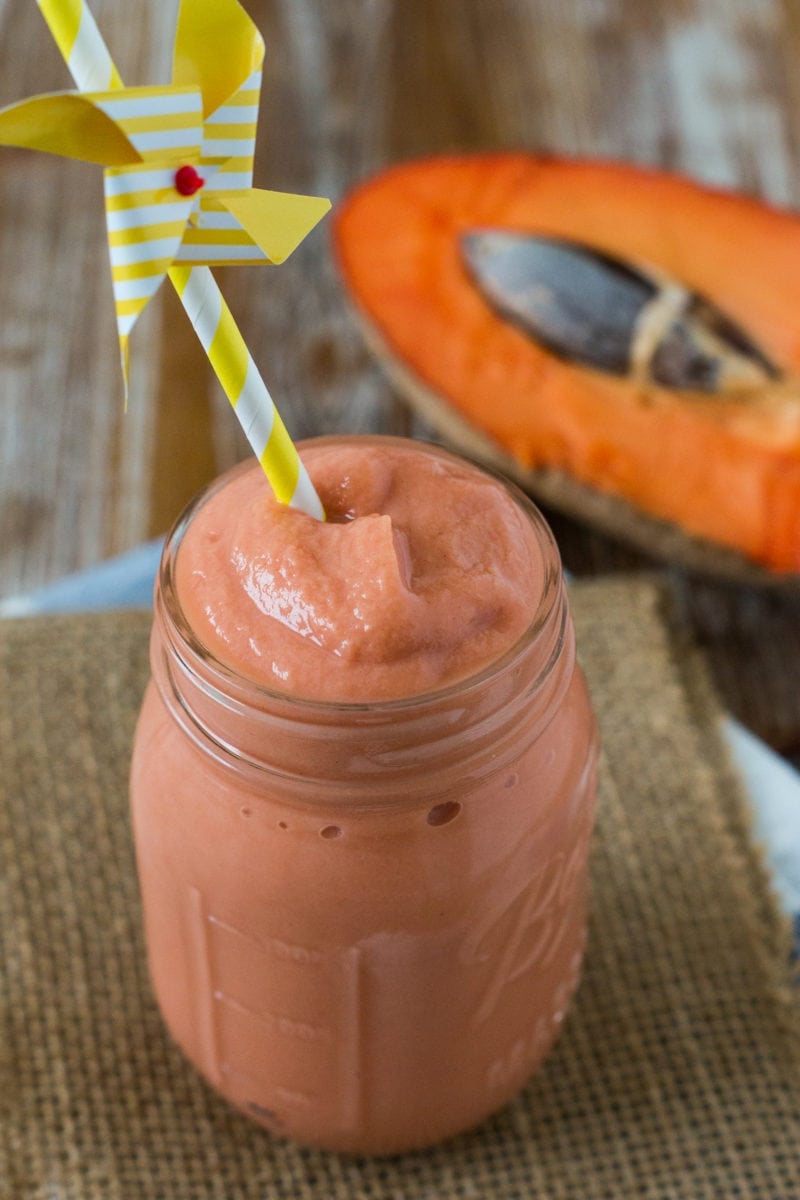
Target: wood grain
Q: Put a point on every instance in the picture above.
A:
(709, 87)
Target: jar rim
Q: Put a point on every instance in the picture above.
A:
(226, 679)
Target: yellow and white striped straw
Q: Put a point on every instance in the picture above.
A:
(244, 387)
(82, 46)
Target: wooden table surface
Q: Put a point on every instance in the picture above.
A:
(707, 87)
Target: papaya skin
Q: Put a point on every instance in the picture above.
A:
(726, 471)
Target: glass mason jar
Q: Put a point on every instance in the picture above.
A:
(365, 921)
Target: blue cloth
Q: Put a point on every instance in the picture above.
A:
(123, 582)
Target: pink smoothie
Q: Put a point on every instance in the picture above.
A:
(362, 793)
(424, 571)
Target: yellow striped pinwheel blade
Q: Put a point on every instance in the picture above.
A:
(68, 124)
(146, 216)
(229, 137)
(276, 221)
(216, 239)
(146, 219)
(164, 124)
(231, 87)
(252, 226)
(217, 48)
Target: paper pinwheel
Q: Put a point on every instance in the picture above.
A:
(178, 159)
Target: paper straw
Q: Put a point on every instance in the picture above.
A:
(82, 46)
(234, 366)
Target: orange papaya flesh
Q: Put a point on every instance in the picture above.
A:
(718, 469)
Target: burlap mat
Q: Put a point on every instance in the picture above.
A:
(678, 1073)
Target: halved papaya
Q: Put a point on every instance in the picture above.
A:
(700, 463)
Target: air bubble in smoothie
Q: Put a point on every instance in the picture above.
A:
(443, 814)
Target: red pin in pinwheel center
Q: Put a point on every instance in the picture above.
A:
(187, 181)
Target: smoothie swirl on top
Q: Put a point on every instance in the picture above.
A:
(425, 572)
